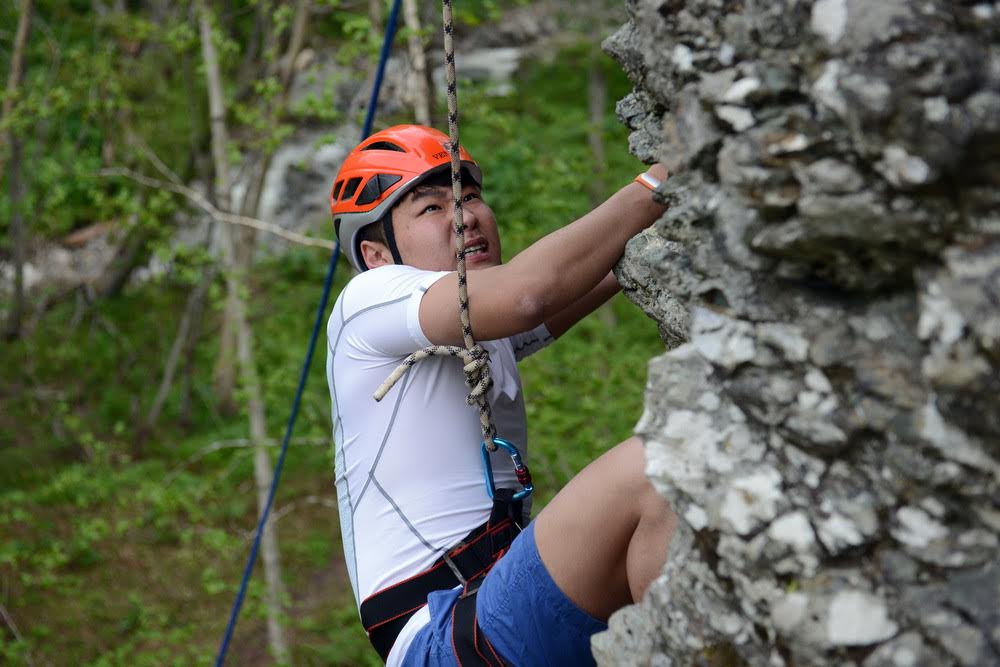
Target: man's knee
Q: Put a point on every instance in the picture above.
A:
(647, 500)
(630, 469)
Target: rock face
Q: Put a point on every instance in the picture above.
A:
(827, 420)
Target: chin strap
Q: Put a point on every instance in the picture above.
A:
(390, 238)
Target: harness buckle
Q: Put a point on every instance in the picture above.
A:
(454, 569)
(521, 470)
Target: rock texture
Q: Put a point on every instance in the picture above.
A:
(827, 420)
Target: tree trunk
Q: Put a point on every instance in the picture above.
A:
(131, 253)
(244, 339)
(184, 417)
(248, 71)
(224, 373)
(245, 239)
(13, 330)
(375, 15)
(182, 341)
(418, 59)
(17, 236)
(251, 201)
(225, 365)
(16, 67)
(295, 42)
(263, 476)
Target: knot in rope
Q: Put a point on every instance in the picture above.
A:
(477, 374)
(479, 381)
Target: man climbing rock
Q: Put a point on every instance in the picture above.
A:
(418, 525)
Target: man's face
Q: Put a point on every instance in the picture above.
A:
(423, 223)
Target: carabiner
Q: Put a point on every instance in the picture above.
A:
(521, 470)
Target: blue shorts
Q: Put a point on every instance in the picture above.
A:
(522, 612)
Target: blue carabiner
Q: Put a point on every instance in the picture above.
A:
(521, 470)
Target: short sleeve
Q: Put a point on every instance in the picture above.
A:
(527, 343)
(382, 310)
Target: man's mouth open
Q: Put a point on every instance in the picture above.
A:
(477, 251)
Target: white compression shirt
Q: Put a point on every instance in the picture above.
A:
(409, 472)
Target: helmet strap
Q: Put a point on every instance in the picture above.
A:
(390, 237)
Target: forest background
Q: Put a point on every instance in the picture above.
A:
(140, 411)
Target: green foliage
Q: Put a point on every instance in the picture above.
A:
(476, 13)
(339, 643)
(320, 107)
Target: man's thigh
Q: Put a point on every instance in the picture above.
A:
(584, 533)
(526, 617)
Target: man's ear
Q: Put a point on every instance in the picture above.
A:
(375, 254)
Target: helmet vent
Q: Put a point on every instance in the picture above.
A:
(336, 189)
(384, 146)
(351, 187)
(375, 186)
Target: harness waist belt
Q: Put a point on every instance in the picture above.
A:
(384, 614)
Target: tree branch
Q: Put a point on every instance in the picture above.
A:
(17, 635)
(238, 443)
(165, 171)
(16, 67)
(17, 235)
(202, 202)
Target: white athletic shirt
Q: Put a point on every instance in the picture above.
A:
(409, 471)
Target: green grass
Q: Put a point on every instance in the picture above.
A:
(115, 555)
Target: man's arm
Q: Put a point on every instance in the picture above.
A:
(564, 320)
(547, 277)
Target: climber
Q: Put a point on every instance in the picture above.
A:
(409, 474)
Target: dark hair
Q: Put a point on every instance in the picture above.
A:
(375, 232)
(441, 178)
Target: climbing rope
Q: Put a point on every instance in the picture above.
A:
(390, 31)
(476, 358)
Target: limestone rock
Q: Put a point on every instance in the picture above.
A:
(826, 421)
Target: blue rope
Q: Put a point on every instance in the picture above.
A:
(390, 31)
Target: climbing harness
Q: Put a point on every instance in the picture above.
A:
(385, 613)
(390, 31)
(467, 638)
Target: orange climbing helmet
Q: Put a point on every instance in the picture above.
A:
(376, 175)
